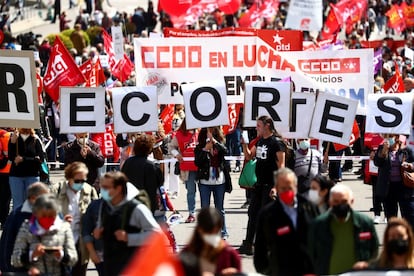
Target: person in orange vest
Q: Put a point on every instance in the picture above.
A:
(5, 194)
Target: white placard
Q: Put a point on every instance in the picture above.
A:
(409, 53)
(267, 98)
(301, 111)
(82, 109)
(135, 109)
(205, 104)
(372, 168)
(389, 113)
(333, 118)
(36, 56)
(104, 59)
(18, 93)
(117, 42)
(304, 15)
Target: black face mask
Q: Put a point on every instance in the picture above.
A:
(398, 246)
(341, 210)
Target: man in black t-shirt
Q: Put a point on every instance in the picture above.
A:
(270, 155)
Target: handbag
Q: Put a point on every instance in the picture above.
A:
(407, 177)
(248, 175)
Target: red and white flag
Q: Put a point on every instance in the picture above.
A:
(86, 68)
(166, 117)
(123, 68)
(96, 76)
(396, 19)
(260, 9)
(109, 49)
(331, 26)
(234, 113)
(61, 70)
(395, 84)
(107, 142)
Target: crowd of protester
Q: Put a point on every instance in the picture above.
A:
(297, 210)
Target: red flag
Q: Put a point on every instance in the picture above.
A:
(234, 112)
(109, 50)
(395, 18)
(166, 117)
(354, 136)
(160, 262)
(61, 70)
(408, 12)
(395, 84)
(86, 68)
(331, 27)
(123, 68)
(259, 10)
(96, 76)
(107, 142)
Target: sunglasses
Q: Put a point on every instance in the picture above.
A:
(79, 181)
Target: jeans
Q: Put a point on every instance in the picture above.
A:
(218, 195)
(18, 187)
(190, 185)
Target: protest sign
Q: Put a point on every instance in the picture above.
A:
(18, 93)
(205, 104)
(170, 62)
(305, 15)
(82, 109)
(390, 113)
(135, 109)
(301, 112)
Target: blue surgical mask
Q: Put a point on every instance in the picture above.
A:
(77, 186)
(105, 195)
(391, 141)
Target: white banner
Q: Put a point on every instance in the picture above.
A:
(304, 15)
(18, 92)
(301, 112)
(170, 62)
(333, 118)
(82, 109)
(135, 109)
(389, 113)
(205, 104)
(117, 42)
(267, 98)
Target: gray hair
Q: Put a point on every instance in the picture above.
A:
(36, 189)
(284, 172)
(46, 202)
(341, 189)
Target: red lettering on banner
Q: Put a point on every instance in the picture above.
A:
(109, 145)
(329, 66)
(217, 59)
(171, 56)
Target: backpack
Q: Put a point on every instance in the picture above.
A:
(289, 154)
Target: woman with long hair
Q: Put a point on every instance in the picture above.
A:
(215, 255)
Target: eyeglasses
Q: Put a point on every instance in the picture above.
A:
(79, 181)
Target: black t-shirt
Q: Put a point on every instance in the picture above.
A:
(266, 159)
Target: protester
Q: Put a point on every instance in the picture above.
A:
(26, 153)
(282, 229)
(182, 145)
(318, 193)
(149, 176)
(308, 164)
(14, 222)
(341, 236)
(74, 196)
(124, 224)
(82, 149)
(389, 159)
(212, 170)
(44, 245)
(215, 255)
(5, 194)
(270, 155)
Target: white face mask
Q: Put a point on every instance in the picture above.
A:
(24, 136)
(82, 141)
(314, 197)
(304, 145)
(212, 239)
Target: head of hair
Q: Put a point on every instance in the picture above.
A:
(118, 179)
(74, 168)
(215, 131)
(325, 184)
(342, 189)
(284, 172)
(143, 144)
(208, 220)
(46, 202)
(267, 120)
(385, 258)
(36, 189)
(30, 131)
(183, 126)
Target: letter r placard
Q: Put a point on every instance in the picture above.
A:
(18, 90)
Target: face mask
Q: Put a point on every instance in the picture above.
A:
(313, 196)
(46, 222)
(287, 197)
(105, 195)
(391, 141)
(304, 145)
(341, 211)
(77, 186)
(24, 136)
(212, 239)
(82, 141)
(398, 246)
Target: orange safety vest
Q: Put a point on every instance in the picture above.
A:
(4, 146)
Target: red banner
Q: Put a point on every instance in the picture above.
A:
(331, 26)
(107, 142)
(408, 14)
(234, 114)
(109, 50)
(86, 68)
(395, 19)
(123, 68)
(61, 70)
(166, 117)
(259, 10)
(96, 76)
(395, 84)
